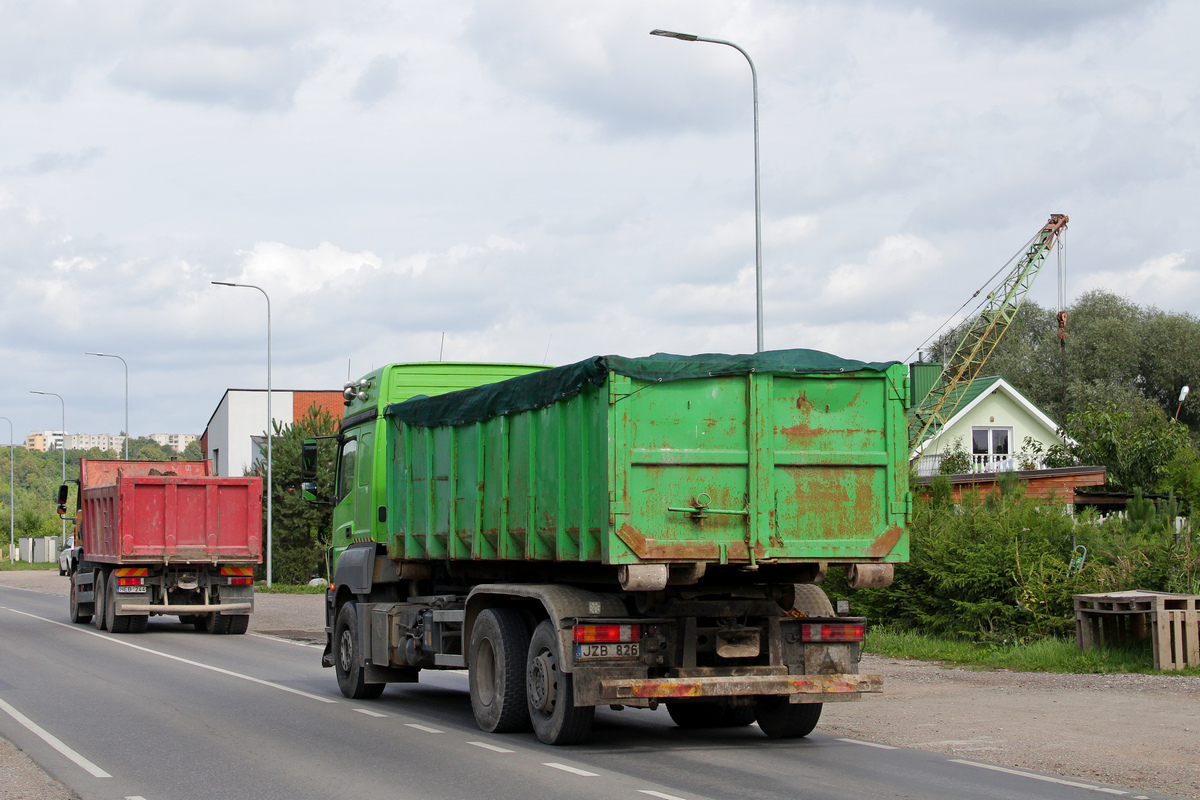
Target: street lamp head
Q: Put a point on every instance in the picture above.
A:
(687, 37)
(1184, 392)
(223, 283)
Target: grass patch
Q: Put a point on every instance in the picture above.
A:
(1041, 655)
(25, 566)
(287, 588)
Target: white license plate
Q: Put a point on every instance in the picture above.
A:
(621, 650)
(131, 590)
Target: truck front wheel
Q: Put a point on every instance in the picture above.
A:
(781, 719)
(551, 693)
(78, 615)
(499, 645)
(346, 661)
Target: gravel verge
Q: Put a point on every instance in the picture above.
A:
(1140, 731)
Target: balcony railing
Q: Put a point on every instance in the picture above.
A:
(928, 466)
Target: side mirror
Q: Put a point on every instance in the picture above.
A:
(308, 491)
(308, 460)
(62, 500)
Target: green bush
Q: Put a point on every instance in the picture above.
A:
(998, 568)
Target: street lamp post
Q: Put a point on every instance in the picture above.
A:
(758, 275)
(64, 451)
(12, 494)
(270, 419)
(108, 355)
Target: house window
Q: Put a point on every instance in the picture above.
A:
(990, 446)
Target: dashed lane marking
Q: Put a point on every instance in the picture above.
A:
(870, 744)
(283, 639)
(181, 660)
(135, 797)
(573, 770)
(53, 741)
(492, 747)
(660, 795)
(369, 712)
(425, 728)
(1036, 777)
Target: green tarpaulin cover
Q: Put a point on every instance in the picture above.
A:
(540, 389)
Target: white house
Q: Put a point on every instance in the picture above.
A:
(991, 425)
(235, 435)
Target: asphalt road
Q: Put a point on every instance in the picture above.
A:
(173, 713)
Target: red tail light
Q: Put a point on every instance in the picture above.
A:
(833, 633)
(606, 634)
(241, 581)
(131, 581)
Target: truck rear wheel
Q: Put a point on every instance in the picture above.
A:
(551, 692)
(99, 599)
(811, 601)
(709, 714)
(780, 719)
(114, 623)
(499, 646)
(217, 623)
(78, 616)
(346, 658)
(239, 623)
(139, 623)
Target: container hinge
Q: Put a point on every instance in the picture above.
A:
(700, 508)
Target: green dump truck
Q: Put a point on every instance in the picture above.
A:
(621, 532)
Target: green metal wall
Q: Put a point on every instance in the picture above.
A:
(784, 469)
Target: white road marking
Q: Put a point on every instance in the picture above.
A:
(53, 741)
(1036, 777)
(492, 747)
(135, 797)
(869, 744)
(282, 639)
(425, 728)
(572, 770)
(659, 795)
(187, 661)
(369, 712)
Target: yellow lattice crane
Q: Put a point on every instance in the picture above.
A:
(983, 333)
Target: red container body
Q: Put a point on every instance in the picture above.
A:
(168, 512)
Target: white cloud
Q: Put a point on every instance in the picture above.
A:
(303, 271)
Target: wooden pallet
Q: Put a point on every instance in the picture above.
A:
(1172, 620)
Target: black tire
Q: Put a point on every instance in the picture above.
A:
(139, 623)
(201, 624)
(112, 622)
(709, 714)
(550, 692)
(239, 624)
(346, 658)
(738, 716)
(780, 719)
(811, 601)
(217, 624)
(98, 599)
(499, 646)
(78, 616)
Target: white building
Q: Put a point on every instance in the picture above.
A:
(101, 441)
(176, 441)
(44, 441)
(235, 435)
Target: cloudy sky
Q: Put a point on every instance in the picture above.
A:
(543, 181)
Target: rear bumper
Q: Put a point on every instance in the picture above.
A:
(617, 689)
(149, 608)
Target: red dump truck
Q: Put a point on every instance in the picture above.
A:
(164, 537)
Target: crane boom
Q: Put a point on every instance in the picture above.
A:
(982, 335)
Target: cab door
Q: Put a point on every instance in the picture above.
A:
(364, 502)
(343, 511)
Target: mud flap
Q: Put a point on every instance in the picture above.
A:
(327, 656)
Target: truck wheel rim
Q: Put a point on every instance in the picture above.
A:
(346, 651)
(486, 673)
(541, 682)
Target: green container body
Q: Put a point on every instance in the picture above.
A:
(738, 469)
